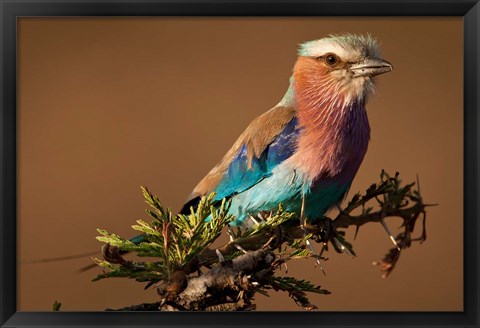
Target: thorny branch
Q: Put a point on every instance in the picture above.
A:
(248, 263)
(395, 203)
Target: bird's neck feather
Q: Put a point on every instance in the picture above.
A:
(335, 129)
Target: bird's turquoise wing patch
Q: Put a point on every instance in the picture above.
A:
(240, 177)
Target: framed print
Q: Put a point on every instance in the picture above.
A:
(107, 105)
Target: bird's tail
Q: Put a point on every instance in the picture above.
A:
(191, 203)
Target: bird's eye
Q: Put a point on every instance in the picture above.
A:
(331, 59)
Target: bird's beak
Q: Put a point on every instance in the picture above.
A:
(370, 67)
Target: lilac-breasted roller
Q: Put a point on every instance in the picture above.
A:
(308, 148)
(311, 144)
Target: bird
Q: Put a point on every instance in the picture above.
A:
(304, 152)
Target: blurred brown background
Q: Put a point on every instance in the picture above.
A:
(109, 104)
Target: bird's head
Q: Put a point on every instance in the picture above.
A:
(338, 66)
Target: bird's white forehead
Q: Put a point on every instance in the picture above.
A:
(349, 47)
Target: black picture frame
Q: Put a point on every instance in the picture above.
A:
(11, 10)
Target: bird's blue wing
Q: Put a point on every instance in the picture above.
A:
(242, 174)
(268, 140)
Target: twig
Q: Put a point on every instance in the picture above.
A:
(227, 277)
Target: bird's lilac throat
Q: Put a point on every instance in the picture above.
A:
(335, 133)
